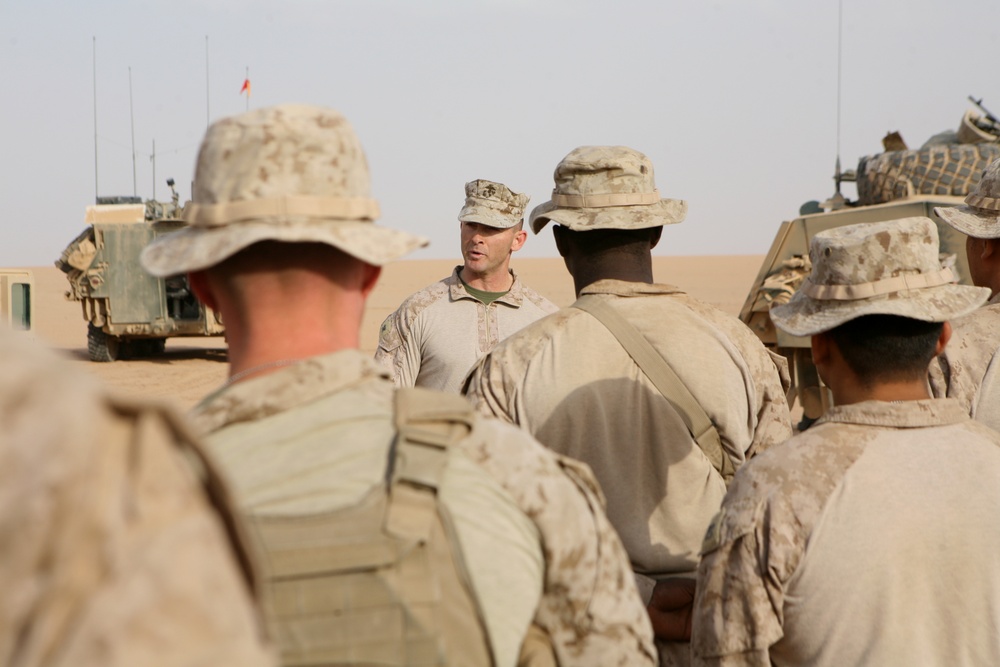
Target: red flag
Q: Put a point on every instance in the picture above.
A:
(246, 87)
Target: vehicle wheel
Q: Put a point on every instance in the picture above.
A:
(100, 346)
(952, 169)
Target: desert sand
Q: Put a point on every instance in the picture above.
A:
(193, 367)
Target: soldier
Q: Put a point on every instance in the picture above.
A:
(969, 369)
(113, 552)
(661, 395)
(437, 334)
(871, 538)
(395, 527)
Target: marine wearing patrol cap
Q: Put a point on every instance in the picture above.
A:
(492, 204)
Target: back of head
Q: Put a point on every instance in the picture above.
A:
(887, 348)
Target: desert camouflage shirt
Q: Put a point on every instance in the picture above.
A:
(569, 382)
(869, 539)
(437, 334)
(536, 542)
(113, 552)
(969, 368)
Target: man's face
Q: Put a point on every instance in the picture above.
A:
(486, 250)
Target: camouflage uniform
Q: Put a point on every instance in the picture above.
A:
(111, 552)
(969, 367)
(662, 490)
(437, 334)
(968, 370)
(508, 496)
(830, 549)
(868, 539)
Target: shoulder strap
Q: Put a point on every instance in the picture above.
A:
(664, 379)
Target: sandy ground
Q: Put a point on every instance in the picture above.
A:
(192, 367)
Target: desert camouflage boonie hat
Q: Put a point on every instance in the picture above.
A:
(606, 187)
(492, 204)
(980, 216)
(880, 268)
(289, 173)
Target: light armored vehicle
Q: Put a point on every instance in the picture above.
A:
(130, 313)
(896, 183)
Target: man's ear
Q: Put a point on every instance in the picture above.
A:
(562, 243)
(369, 278)
(519, 238)
(655, 237)
(990, 248)
(943, 338)
(198, 280)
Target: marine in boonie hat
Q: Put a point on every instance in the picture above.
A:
(492, 204)
(292, 173)
(980, 216)
(606, 187)
(882, 268)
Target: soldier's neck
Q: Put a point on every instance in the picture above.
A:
(496, 281)
(586, 273)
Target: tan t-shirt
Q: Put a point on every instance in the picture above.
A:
(870, 539)
(437, 334)
(569, 382)
(969, 367)
(315, 436)
(111, 552)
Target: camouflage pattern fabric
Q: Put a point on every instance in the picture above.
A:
(798, 569)
(437, 334)
(492, 204)
(586, 603)
(969, 367)
(606, 187)
(880, 268)
(111, 551)
(291, 173)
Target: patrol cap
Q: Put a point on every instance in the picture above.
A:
(291, 173)
(606, 187)
(492, 204)
(880, 268)
(980, 216)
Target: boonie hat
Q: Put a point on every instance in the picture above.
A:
(606, 187)
(881, 268)
(980, 216)
(492, 204)
(291, 173)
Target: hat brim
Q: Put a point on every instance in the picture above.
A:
(486, 217)
(971, 221)
(196, 248)
(663, 212)
(806, 316)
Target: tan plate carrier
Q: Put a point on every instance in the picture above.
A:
(381, 582)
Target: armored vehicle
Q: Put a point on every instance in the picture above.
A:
(130, 313)
(896, 183)
(17, 298)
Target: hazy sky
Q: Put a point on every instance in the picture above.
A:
(735, 101)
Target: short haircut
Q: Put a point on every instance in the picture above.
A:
(887, 347)
(602, 240)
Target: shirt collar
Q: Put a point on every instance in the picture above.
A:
(901, 414)
(627, 288)
(284, 389)
(514, 297)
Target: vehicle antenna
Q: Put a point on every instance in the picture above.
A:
(96, 189)
(840, 51)
(131, 115)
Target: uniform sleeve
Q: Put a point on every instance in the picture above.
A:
(774, 423)
(738, 602)
(398, 350)
(487, 386)
(590, 607)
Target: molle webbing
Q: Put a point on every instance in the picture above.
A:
(379, 582)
